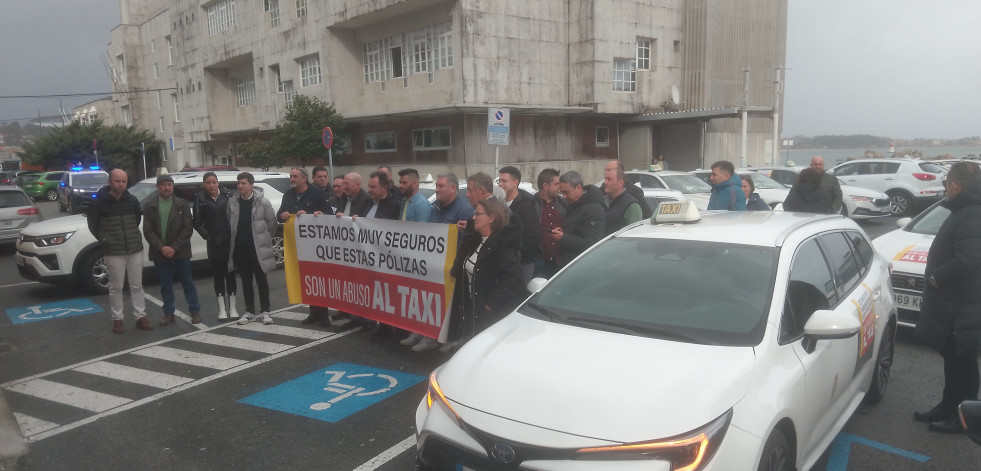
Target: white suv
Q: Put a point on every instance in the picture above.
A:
(62, 250)
(910, 184)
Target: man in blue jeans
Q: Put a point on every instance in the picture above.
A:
(167, 227)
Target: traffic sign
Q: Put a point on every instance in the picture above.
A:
(498, 126)
(328, 137)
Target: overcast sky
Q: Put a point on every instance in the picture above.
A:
(896, 68)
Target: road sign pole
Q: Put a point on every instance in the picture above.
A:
(497, 155)
(330, 156)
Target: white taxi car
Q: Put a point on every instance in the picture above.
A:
(63, 250)
(907, 249)
(624, 360)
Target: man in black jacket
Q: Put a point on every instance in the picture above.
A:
(522, 206)
(211, 221)
(633, 190)
(355, 201)
(384, 205)
(551, 213)
(950, 318)
(585, 220)
(114, 219)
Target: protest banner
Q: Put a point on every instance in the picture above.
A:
(395, 272)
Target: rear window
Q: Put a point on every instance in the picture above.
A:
(280, 183)
(13, 199)
(931, 167)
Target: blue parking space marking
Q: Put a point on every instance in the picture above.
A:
(333, 393)
(842, 445)
(44, 312)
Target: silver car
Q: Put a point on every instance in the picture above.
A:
(17, 211)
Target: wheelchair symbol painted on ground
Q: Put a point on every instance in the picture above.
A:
(347, 390)
(48, 311)
(335, 392)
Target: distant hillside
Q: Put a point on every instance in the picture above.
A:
(866, 141)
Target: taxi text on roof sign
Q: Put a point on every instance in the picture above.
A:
(676, 212)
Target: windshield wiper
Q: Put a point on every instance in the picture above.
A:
(552, 316)
(619, 327)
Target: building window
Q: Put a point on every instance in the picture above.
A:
(159, 100)
(126, 115)
(376, 66)
(177, 114)
(677, 46)
(245, 90)
(221, 16)
(398, 70)
(444, 45)
(156, 71)
(160, 120)
(272, 6)
(379, 142)
(120, 71)
(153, 45)
(644, 49)
(624, 76)
(288, 93)
(170, 51)
(430, 139)
(602, 136)
(310, 71)
(301, 8)
(421, 51)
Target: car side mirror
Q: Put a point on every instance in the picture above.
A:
(970, 416)
(903, 222)
(536, 284)
(829, 325)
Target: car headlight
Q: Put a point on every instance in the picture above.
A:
(53, 239)
(862, 198)
(690, 451)
(435, 395)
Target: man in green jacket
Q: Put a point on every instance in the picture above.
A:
(168, 226)
(114, 220)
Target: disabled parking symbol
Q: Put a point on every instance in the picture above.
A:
(334, 393)
(48, 311)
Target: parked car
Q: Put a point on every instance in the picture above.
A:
(907, 249)
(77, 188)
(214, 168)
(7, 177)
(44, 186)
(857, 202)
(62, 250)
(25, 176)
(689, 186)
(772, 191)
(911, 184)
(17, 211)
(734, 341)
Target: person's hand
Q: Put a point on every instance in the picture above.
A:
(556, 233)
(354, 218)
(168, 251)
(338, 214)
(284, 215)
(318, 213)
(461, 225)
(300, 212)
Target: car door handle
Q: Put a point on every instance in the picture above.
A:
(875, 297)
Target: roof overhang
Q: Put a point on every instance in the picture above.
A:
(473, 109)
(698, 115)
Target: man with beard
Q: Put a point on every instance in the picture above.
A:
(585, 219)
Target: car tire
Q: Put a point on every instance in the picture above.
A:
(51, 195)
(61, 207)
(900, 203)
(777, 454)
(844, 210)
(93, 273)
(883, 366)
(71, 207)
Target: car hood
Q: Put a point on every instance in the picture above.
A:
(592, 383)
(701, 200)
(907, 251)
(56, 225)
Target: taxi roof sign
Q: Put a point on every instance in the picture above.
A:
(676, 211)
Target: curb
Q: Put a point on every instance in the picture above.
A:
(12, 442)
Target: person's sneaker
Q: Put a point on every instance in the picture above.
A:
(448, 347)
(411, 340)
(143, 324)
(266, 318)
(425, 345)
(246, 318)
(117, 326)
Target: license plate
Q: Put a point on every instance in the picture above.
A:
(6, 223)
(907, 301)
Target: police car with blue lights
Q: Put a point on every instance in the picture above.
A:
(716, 341)
(78, 187)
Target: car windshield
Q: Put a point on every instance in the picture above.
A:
(90, 179)
(686, 184)
(14, 199)
(929, 221)
(143, 191)
(697, 292)
(764, 182)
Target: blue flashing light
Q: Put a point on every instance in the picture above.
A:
(94, 167)
(94, 195)
(76, 169)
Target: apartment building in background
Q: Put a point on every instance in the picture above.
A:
(585, 80)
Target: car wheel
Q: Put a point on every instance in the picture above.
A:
(901, 203)
(883, 366)
(93, 273)
(278, 250)
(844, 210)
(51, 195)
(61, 207)
(776, 454)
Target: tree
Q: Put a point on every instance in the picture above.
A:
(300, 134)
(259, 154)
(118, 146)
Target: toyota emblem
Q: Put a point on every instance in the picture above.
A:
(912, 281)
(502, 453)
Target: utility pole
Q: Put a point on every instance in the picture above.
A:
(777, 91)
(745, 116)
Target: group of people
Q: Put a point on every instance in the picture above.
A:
(238, 227)
(815, 190)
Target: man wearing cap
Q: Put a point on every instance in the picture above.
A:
(167, 227)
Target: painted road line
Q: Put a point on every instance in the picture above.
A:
(284, 330)
(178, 313)
(69, 395)
(240, 343)
(162, 394)
(133, 375)
(295, 316)
(20, 284)
(205, 360)
(32, 425)
(388, 455)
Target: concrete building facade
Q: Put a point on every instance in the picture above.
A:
(585, 80)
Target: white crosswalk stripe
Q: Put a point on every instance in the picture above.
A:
(214, 362)
(70, 395)
(284, 330)
(240, 343)
(32, 425)
(133, 375)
